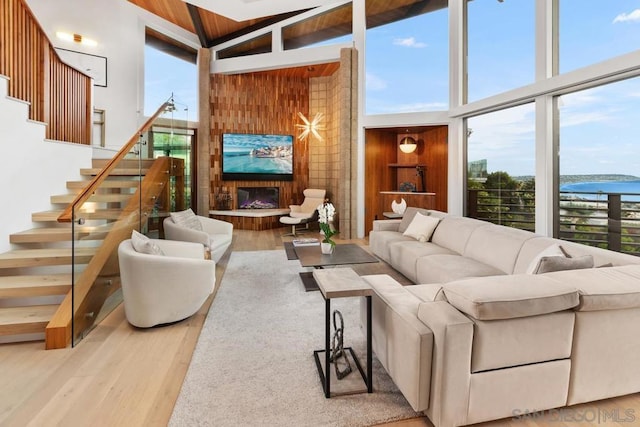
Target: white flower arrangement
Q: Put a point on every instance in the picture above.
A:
(326, 211)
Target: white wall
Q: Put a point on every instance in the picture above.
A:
(118, 27)
(34, 169)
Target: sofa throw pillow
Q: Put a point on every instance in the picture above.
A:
(144, 245)
(408, 216)
(561, 263)
(422, 227)
(187, 219)
(553, 250)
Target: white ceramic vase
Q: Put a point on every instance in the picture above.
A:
(326, 248)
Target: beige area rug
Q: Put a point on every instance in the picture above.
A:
(253, 364)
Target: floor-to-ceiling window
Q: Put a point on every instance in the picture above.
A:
(167, 75)
(171, 73)
(501, 166)
(594, 30)
(500, 46)
(407, 60)
(599, 166)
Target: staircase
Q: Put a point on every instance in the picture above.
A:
(57, 278)
(38, 272)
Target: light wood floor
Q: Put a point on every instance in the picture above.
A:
(123, 376)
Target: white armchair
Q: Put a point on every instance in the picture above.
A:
(306, 212)
(216, 235)
(159, 289)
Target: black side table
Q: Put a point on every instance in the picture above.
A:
(342, 283)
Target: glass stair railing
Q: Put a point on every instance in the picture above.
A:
(130, 192)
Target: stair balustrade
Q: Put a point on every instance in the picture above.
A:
(129, 192)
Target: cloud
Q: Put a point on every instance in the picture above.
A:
(409, 108)
(409, 42)
(374, 82)
(624, 17)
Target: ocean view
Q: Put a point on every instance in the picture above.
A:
(592, 189)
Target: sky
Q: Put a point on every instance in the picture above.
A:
(598, 127)
(165, 75)
(407, 71)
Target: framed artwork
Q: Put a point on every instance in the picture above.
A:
(92, 65)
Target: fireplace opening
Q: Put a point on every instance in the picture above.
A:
(258, 197)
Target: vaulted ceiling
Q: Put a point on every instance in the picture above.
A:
(214, 28)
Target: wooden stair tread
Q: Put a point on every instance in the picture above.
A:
(42, 257)
(60, 234)
(124, 163)
(115, 172)
(98, 214)
(34, 285)
(25, 320)
(109, 183)
(97, 198)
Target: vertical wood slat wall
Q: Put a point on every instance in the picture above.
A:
(259, 103)
(60, 96)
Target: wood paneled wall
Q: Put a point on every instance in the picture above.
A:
(436, 157)
(59, 95)
(259, 103)
(381, 149)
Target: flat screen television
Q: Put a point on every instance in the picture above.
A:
(257, 157)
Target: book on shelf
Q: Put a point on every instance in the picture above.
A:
(309, 241)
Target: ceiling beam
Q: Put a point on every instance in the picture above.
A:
(197, 24)
(258, 26)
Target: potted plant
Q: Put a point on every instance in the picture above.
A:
(326, 211)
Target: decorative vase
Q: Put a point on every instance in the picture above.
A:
(326, 248)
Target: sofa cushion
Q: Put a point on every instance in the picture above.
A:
(549, 264)
(186, 218)
(443, 268)
(421, 227)
(380, 241)
(613, 288)
(512, 296)
(513, 342)
(453, 232)
(404, 255)
(144, 245)
(497, 246)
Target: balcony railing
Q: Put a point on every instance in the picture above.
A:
(606, 220)
(513, 208)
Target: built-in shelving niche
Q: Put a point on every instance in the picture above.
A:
(386, 166)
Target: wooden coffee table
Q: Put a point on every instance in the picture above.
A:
(344, 254)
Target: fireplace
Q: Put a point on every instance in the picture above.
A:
(258, 197)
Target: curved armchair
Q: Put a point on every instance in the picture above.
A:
(216, 235)
(306, 212)
(165, 288)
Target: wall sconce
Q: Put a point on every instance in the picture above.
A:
(310, 126)
(408, 145)
(77, 38)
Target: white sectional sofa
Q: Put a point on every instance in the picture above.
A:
(478, 338)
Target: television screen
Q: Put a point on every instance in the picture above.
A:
(257, 157)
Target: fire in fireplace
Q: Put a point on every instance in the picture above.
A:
(258, 197)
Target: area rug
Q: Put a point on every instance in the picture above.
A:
(253, 363)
